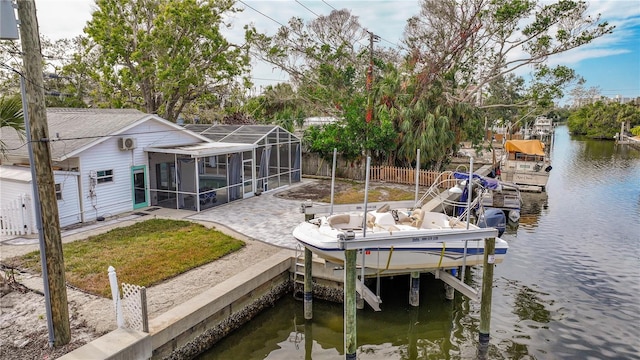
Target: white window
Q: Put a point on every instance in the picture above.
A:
(58, 191)
(105, 176)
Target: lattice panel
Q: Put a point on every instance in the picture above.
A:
(133, 310)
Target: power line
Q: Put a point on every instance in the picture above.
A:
(259, 12)
(329, 5)
(301, 4)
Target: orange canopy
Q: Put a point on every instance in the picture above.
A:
(530, 147)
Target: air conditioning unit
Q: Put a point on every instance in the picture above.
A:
(127, 143)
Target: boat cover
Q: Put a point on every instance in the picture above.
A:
(530, 147)
(486, 182)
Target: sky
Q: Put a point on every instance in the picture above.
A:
(610, 63)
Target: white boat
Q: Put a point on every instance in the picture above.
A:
(526, 163)
(399, 239)
(542, 127)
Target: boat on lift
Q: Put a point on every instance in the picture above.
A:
(527, 164)
(493, 194)
(399, 239)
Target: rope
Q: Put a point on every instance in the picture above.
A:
(388, 261)
(444, 247)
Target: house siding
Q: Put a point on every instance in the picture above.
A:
(68, 207)
(111, 198)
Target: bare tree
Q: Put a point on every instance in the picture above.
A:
(464, 45)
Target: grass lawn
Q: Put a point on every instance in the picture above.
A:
(144, 254)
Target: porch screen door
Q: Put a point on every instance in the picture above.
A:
(139, 178)
(247, 177)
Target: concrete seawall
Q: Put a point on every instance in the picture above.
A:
(194, 326)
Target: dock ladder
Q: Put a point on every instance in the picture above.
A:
(298, 273)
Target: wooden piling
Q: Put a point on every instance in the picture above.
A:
(487, 289)
(308, 340)
(414, 292)
(350, 345)
(308, 285)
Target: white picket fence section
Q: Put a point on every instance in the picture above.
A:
(131, 309)
(16, 217)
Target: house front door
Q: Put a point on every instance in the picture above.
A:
(140, 188)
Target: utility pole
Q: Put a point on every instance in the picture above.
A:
(372, 37)
(32, 60)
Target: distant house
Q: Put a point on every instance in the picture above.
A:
(110, 161)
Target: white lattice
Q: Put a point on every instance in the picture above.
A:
(133, 309)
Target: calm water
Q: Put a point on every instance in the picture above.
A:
(568, 289)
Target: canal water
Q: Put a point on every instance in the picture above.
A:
(569, 287)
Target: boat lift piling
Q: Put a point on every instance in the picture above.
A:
(350, 344)
(308, 284)
(414, 291)
(487, 289)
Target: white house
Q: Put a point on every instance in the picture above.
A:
(100, 166)
(110, 161)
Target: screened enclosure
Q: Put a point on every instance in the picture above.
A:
(240, 161)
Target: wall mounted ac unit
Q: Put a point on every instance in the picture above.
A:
(127, 143)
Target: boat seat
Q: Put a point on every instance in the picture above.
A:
(371, 221)
(384, 219)
(349, 222)
(417, 217)
(338, 220)
(384, 208)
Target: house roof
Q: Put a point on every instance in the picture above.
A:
(15, 173)
(225, 139)
(21, 173)
(237, 134)
(75, 130)
(202, 149)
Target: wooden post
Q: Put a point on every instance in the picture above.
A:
(414, 291)
(32, 60)
(487, 288)
(350, 345)
(449, 291)
(308, 340)
(308, 285)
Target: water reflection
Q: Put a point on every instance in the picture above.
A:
(567, 289)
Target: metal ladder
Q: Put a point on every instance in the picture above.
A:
(298, 273)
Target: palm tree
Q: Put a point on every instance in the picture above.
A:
(12, 116)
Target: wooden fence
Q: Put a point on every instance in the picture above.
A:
(313, 165)
(400, 175)
(316, 166)
(16, 218)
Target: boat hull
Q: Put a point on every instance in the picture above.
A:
(433, 255)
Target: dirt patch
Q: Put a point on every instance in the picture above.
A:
(350, 192)
(318, 190)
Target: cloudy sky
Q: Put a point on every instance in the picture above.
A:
(611, 63)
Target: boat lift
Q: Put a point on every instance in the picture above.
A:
(350, 245)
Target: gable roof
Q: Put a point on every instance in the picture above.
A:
(80, 129)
